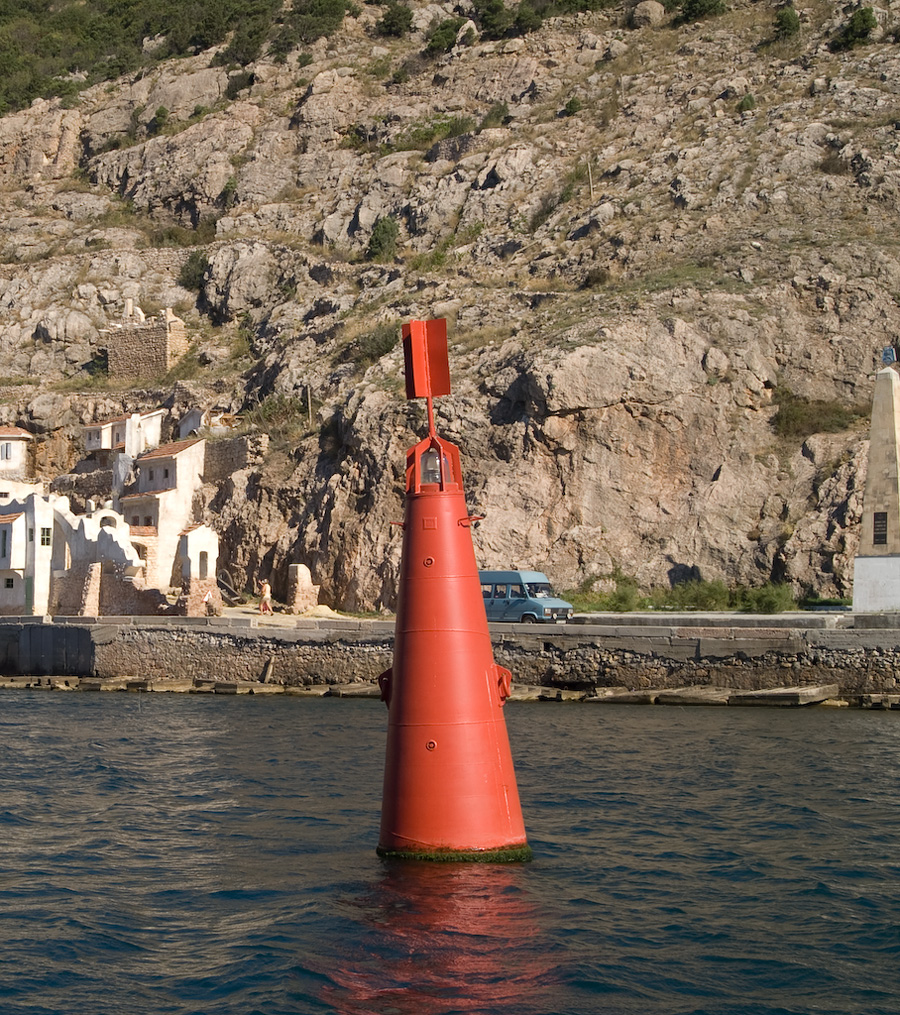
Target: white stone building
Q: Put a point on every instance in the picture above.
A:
(876, 568)
(131, 435)
(162, 507)
(13, 454)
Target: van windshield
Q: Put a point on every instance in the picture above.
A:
(540, 590)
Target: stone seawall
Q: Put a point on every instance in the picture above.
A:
(637, 652)
(290, 656)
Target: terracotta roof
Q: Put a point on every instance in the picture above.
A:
(14, 431)
(5, 519)
(169, 450)
(144, 530)
(123, 419)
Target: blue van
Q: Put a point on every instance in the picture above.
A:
(522, 597)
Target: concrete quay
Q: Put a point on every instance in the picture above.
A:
(651, 658)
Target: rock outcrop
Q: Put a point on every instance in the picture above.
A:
(648, 238)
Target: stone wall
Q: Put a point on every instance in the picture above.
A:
(121, 595)
(200, 597)
(860, 662)
(80, 487)
(145, 348)
(225, 457)
(232, 655)
(76, 592)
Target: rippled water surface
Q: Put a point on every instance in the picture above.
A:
(173, 853)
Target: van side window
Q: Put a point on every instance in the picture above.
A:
(486, 591)
(516, 592)
(500, 591)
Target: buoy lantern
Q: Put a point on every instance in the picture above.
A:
(449, 785)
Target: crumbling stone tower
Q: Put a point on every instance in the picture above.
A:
(140, 347)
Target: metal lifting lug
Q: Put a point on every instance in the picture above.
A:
(468, 521)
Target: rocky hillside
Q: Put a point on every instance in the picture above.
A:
(667, 252)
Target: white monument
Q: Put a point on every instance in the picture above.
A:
(876, 569)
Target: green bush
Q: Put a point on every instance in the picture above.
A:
(787, 23)
(383, 241)
(857, 30)
(237, 83)
(370, 347)
(42, 42)
(747, 103)
(193, 271)
(283, 417)
(245, 46)
(528, 19)
(420, 136)
(573, 106)
(442, 38)
(694, 10)
(229, 192)
(494, 18)
(595, 276)
(703, 596)
(315, 19)
(181, 236)
(798, 417)
(396, 22)
(772, 597)
(495, 116)
(160, 119)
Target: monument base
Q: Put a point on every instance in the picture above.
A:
(876, 584)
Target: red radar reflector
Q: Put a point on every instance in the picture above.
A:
(426, 360)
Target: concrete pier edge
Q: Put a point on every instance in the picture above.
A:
(685, 659)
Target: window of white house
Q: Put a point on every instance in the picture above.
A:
(10, 583)
(135, 519)
(31, 535)
(45, 537)
(6, 451)
(165, 473)
(4, 542)
(148, 520)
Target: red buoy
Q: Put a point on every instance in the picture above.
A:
(449, 785)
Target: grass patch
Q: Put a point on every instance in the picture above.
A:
(283, 417)
(367, 348)
(798, 418)
(703, 596)
(421, 136)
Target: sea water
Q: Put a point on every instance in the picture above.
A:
(210, 854)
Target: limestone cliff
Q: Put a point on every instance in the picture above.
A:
(648, 237)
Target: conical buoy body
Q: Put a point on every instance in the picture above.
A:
(449, 785)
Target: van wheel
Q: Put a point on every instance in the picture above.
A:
(528, 619)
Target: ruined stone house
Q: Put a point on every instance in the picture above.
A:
(141, 347)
